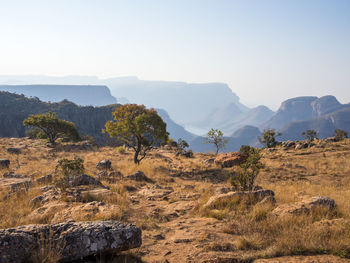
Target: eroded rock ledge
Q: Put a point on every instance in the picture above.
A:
(69, 240)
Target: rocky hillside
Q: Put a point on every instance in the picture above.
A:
(80, 94)
(15, 108)
(183, 209)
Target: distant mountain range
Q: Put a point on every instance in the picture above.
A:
(89, 120)
(80, 94)
(211, 105)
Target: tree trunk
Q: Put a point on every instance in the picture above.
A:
(137, 152)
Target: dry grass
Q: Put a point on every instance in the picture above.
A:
(254, 231)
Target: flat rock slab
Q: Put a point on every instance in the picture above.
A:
(70, 240)
(14, 184)
(304, 259)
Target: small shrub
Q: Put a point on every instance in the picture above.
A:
(65, 168)
(340, 135)
(245, 178)
(309, 135)
(120, 149)
(68, 167)
(269, 138)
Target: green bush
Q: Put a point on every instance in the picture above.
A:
(120, 149)
(249, 170)
(66, 168)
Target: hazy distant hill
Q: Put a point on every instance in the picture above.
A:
(176, 131)
(80, 94)
(324, 125)
(303, 108)
(186, 103)
(247, 135)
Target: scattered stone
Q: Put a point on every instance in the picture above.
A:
(70, 240)
(155, 193)
(256, 195)
(223, 190)
(86, 211)
(47, 196)
(14, 150)
(187, 154)
(15, 184)
(111, 177)
(44, 179)
(138, 176)
(288, 144)
(84, 179)
(4, 163)
(104, 164)
(230, 159)
(13, 175)
(330, 139)
(304, 206)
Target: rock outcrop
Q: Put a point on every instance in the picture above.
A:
(304, 206)
(222, 198)
(4, 163)
(230, 159)
(104, 164)
(70, 240)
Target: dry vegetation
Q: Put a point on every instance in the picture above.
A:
(170, 210)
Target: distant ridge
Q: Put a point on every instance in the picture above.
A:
(95, 95)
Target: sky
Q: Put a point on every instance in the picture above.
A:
(265, 50)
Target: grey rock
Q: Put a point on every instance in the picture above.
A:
(257, 195)
(4, 163)
(13, 175)
(104, 164)
(304, 206)
(14, 150)
(70, 240)
(139, 176)
(44, 179)
(84, 179)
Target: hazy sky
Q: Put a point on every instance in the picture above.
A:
(266, 50)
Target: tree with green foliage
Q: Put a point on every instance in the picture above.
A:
(269, 138)
(138, 128)
(216, 137)
(52, 127)
(249, 170)
(181, 145)
(309, 135)
(340, 135)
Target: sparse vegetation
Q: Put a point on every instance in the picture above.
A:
(236, 228)
(340, 135)
(216, 137)
(269, 138)
(309, 135)
(244, 179)
(50, 125)
(138, 128)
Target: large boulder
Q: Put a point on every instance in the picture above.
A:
(138, 176)
(304, 206)
(257, 196)
(70, 240)
(230, 159)
(84, 179)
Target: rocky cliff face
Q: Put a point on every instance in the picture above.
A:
(89, 120)
(79, 94)
(15, 108)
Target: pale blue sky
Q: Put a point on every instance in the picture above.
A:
(266, 50)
